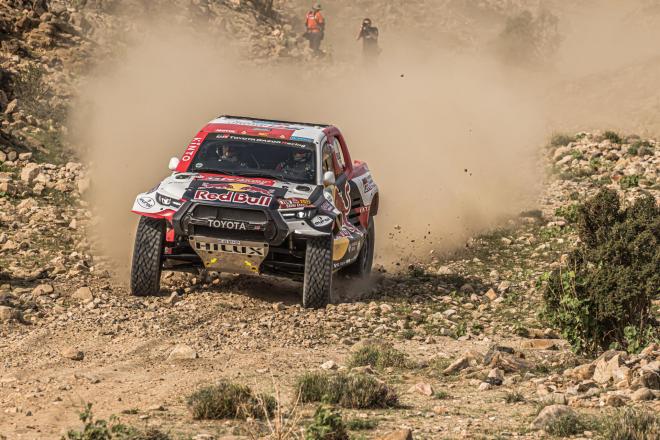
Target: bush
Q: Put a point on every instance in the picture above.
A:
(632, 424)
(570, 212)
(613, 137)
(327, 425)
(379, 356)
(361, 424)
(228, 400)
(628, 182)
(603, 298)
(102, 430)
(565, 426)
(347, 390)
(514, 397)
(33, 93)
(561, 140)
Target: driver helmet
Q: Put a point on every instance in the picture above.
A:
(300, 156)
(366, 22)
(316, 7)
(229, 153)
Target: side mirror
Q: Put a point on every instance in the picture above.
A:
(328, 178)
(174, 163)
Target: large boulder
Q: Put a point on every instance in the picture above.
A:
(550, 414)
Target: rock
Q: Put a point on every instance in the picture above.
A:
(614, 401)
(495, 377)
(73, 353)
(7, 313)
(385, 309)
(458, 365)
(504, 286)
(42, 289)
(554, 399)
(30, 172)
(609, 366)
(642, 394)
(491, 295)
(278, 307)
(11, 107)
(540, 344)
(445, 270)
(403, 434)
(422, 388)
(173, 298)
(329, 365)
(581, 372)
(24, 156)
(550, 414)
(440, 410)
(485, 386)
(83, 294)
(182, 352)
(649, 379)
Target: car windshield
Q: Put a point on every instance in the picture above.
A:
(256, 157)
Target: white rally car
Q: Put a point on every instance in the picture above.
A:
(254, 196)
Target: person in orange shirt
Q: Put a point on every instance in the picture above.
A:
(315, 25)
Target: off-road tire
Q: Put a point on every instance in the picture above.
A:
(147, 257)
(362, 266)
(317, 284)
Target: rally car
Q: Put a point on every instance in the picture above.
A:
(255, 196)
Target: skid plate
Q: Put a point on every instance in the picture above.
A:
(231, 256)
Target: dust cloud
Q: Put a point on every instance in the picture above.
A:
(452, 138)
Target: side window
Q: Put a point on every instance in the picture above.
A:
(336, 146)
(328, 163)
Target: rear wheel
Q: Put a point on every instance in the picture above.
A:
(147, 257)
(317, 285)
(362, 266)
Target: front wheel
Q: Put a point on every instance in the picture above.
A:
(317, 284)
(147, 257)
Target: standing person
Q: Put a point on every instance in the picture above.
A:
(315, 25)
(369, 35)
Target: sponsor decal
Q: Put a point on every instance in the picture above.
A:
(239, 179)
(265, 140)
(368, 183)
(362, 209)
(233, 197)
(327, 206)
(294, 203)
(239, 187)
(301, 139)
(231, 249)
(192, 148)
(146, 202)
(321, 220)
(223, 130)
(227, 224)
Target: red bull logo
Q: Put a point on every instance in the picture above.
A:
(239, 187)
(233, 197)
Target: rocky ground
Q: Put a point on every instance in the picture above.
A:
(482, 363)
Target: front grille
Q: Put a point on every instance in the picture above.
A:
(228, 234)
(222, 213)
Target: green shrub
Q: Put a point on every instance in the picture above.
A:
(632, 424)
(603, 297)
(561, 140)
(565, 426)
(441, 395)
(569, 213)
(613, 137)
(327, 425)
(229, 400)
(628, 182)
(361, 424)
(379, 356)
(102, 430)
(348, 390)
(514, 397)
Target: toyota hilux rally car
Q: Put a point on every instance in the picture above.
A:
(253, 196)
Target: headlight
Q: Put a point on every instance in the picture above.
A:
(306, 213)
(167, 201)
